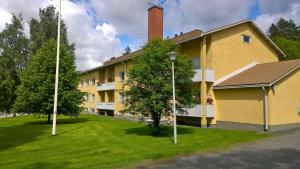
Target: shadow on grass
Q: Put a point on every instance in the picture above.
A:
(166, 131)
(59, 121)
(14, 136)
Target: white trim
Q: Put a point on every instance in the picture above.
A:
(225, 27)
(265, 107)
(202, 35)
(268, 39)
(242, 86)
(285, 75)
(235, 24)
(230, 75)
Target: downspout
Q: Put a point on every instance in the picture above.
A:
(265, 108)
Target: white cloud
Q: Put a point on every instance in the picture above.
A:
(95, 26)
(192, 14)
(279, 9)
(5, 18)
(93, 45)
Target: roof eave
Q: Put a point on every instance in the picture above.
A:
(268, 39)
(243, 86)
(281, 77)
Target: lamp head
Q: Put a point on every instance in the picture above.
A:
(172, 56)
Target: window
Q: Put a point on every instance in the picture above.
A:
(93, 97)
(93, 111)
(246, 38)
(121, 97)
(81, 83)
(196, 63)
(86, 98)
(93, 81)
(122, 75)
(87, 82)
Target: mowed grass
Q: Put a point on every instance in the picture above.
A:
(92, 141)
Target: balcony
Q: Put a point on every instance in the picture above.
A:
(105, 86)
(106, 106)
(210, 110)
(196, 111)
(210, 75)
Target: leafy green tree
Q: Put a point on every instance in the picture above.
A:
(150, 82)
(290, 47)
(14, 55)
(7, 87)
(285, 28)
(36, 92)
(45, 28)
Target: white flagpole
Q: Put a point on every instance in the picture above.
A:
(57, 70)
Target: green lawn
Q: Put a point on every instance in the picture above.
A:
(100, 142)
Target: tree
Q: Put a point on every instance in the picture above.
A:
(286, 29)
(36, 91)
(290, 47)
(45, 29)
(150, 82)
(127, 50)
(286, 35)
(14, 55)
(7, 88)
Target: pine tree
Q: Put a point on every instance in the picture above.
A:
(286, 35)
(285, 29)
(127, 50)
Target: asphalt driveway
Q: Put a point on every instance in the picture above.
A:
(281, 151)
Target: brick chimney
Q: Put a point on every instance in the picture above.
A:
(155, 22)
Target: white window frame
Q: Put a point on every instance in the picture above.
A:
(123, 75)
(87, 82)
(93, 81)
(243, 39)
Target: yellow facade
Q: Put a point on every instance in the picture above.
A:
(87, 85)
(243, 105)
(223, 52)
(285, 100)
(229, 53)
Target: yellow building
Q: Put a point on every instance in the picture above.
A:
(242, 84)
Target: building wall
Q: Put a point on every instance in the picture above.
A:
(90, 89)
(240, 105)
(229, 52)
(224, 52)
(121, 67)
(285, 101)
(191, 49)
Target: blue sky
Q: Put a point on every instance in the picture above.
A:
(254, 11)
(101, 29)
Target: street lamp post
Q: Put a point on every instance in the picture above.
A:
(172, 56)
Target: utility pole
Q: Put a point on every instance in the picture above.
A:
(57, 70)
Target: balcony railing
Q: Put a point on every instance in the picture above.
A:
(210, 75)
(210, 110)
(105, 86)
(106, 106)
(196, 111)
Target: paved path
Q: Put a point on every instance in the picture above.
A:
(279, 152)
